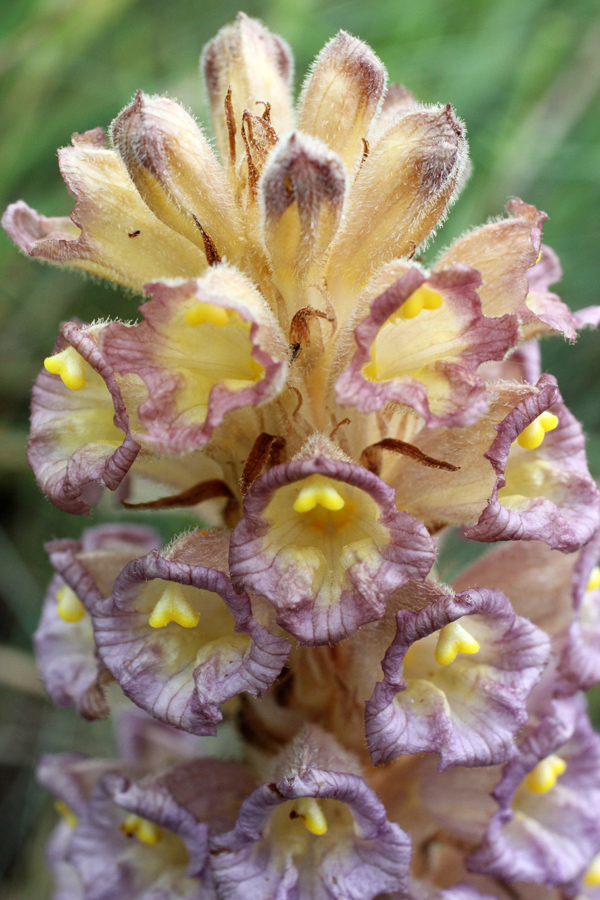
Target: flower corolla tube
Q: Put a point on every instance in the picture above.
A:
(327, 409)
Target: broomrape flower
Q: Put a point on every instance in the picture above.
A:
(327, 407)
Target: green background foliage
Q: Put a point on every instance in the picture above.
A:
(523, 74)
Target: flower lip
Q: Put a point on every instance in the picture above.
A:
(72, 477)
(183, 676)
(361, 859)
(520, 510)
(195, 378)
(466, 709)
(327, 556)
(440, 384)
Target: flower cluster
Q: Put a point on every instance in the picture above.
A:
(329, 409)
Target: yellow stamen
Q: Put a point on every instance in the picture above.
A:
(591, 877)
(423, 298)
(201, 313)
(454, 639)
(532, 436)
(543, 778)
(66, 812)
(308, 809)
(69, 608)
(539, 256)
(70, 366)
(324, 495)
(145, 831)
(594, 579)
(174, 607)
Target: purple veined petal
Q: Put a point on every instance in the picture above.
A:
(426, 359)
(111, 231)
(327, 566)
(80, 439)
(580, 659)
(64, 640)
(149, 839)
(548, 826)
(271, 851)
(204, 348)
(456, 681)
(559, 593)
(545, 493)
(204, 646)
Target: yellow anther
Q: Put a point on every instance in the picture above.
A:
(594, 579)
(201, 313)
(145, 831)
(69, 608)
(591, 877)
(539, 256)
(70, 366)
(454, 639)
(543, 778)
(173, 606)
(324, 495)
(308, 809)
(532, 436)
(423, 298)
(66, 812)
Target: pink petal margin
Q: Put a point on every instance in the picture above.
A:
(75, 484)
(487, 339)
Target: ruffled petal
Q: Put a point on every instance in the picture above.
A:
(204, 348)
(80, 440)
(421, 345)
(179, 640)
(542, 493)
(272, 852)
(548, 827)
(321, 538)
(456, 680)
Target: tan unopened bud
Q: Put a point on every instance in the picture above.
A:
(400, 194)
(397, 101)
(303, 190)
(257, 66)
(175, 171)
(341, 95)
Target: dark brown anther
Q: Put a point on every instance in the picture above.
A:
(366, 151)
(339, 425)
(300, 325)
(212, 254)
(295, 351)
(283, 687)
(198, 493)
(300, 400)
(372, 457)
(267, 448)
(267, 111)
(230, 119)
(413, 251)
(134, 233)
(253, 174)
